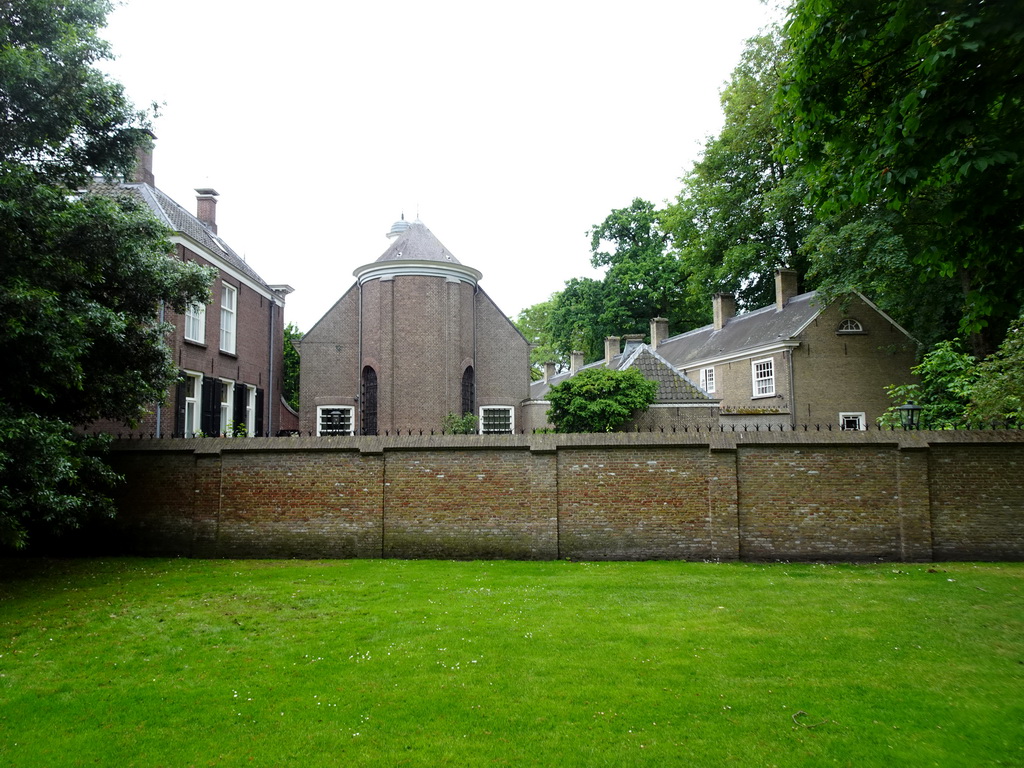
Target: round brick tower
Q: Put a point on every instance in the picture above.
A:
(417, 344)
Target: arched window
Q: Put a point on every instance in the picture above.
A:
(468, 391)
(368, 402)
(849, 325)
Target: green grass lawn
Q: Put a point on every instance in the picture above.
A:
(425, 663)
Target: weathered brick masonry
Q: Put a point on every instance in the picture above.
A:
(913, 496)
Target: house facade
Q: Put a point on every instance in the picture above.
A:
(414, 340)
(798, 361)
(230, 351)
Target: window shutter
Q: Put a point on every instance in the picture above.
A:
(179, 405)
(209, 421)
(241, 401)
(259, 412)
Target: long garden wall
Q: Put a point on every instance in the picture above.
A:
(913, 496)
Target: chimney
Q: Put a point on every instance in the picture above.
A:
(785, 287)
(144, 161)
(206, 207)
(633, 340)
(611, 349)
(549, 371)
(576, 361)
(659, 331)
(724, 305)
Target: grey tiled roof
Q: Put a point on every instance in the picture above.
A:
(742, 332)
(418, 244)
(673, 386)
(183, 222)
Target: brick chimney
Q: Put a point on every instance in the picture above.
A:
(785, 287)
(206, 207)
(576, 361)
(549, 371)
(144, 163)
(659, 331)
(724, 305)
(611, 349)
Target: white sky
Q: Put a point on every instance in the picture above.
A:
(510, 128)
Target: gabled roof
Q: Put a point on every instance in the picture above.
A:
(184, 223)
(747, 332)
(673, 386)
(417, 243)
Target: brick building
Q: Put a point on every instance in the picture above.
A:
(413, 340)
(797, 361)
(229, 352)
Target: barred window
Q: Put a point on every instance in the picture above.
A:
(764, 377)
(334, 420)
(497, 420)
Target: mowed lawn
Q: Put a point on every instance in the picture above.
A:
(424, 663)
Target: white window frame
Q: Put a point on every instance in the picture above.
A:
(195, 323)
(227, 407)
(321, 409)
(707, 379)
(762, 374)
(510, 410)
(228, 317)
(193, 403)
(850, 325)
(859, 416)
(250, 410)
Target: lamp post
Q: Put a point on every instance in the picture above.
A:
(910, 415)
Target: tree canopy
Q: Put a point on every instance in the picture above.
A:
(740, 214)
(918, 106)
(83, 276)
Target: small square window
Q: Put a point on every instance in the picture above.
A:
(852, 422)
(334, 420)
(497, 420)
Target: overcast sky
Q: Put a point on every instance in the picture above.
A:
(509, 129)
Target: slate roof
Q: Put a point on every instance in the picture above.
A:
(181, 221)
(417, 243)
(746, 332)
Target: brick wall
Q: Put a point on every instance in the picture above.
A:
(723, 495)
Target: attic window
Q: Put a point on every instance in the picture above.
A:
(849, 325)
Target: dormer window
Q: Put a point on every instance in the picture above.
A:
(849, 325)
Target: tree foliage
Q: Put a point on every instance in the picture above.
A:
(943, 392)
(918, 106)
(534, 322)
(740, 215)
(997, 394)
(82, 276)
(599, 400)
(291, 365)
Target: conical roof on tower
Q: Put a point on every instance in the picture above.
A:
(416, 243)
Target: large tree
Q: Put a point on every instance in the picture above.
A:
(82, 276)
(918, 105)
(741, 213)
(534, 322)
